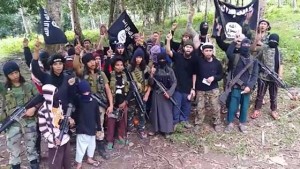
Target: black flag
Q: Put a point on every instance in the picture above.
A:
(233, 18)
(51, 32)
(122, 30)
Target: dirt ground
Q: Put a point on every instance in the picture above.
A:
(269, 144)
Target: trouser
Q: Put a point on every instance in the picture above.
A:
(62, 159)
(148, 105)
(85, 143)
(237, 99)
(132, 109)
(262, 86)
(102, 114)
(13, 141)
(185, 106)
(121, 126)
(38, 141)
(213, 100)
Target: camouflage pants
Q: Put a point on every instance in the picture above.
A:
(213, 100)
(13, 140)
(132, 110)
(102, 113)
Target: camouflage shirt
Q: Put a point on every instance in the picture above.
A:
(15, 96)
(267, 57)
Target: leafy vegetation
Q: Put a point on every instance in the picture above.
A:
(284, 21)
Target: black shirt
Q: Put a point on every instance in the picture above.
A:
(120, 95)
(184, 69)
(88, 117)
(206, 69)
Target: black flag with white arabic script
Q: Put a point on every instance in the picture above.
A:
(51, 32)
(122, 30)
(235, 19)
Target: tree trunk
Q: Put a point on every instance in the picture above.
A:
(75, 19)
(294, 4)
(93, 22)
(177, 7)
(158, 11)
(25, 25)
(111, 12)
(54, 8)
(238, 3)
(262, 8)
(118, 8)
(122, 5)
(279, 3)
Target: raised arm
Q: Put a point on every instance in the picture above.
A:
(77, 66)
(224, 46)
(168, 45)
(189, 26)
(230, 51)
(35, 68)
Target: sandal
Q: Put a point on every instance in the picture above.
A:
(255, 114)
(94, 163)
(142, 134)
(123, 142)
(275, 115)
(151, 133)
(110, 146)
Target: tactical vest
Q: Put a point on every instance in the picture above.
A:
(10, 98)
(139, 77)
(164, 77)
(100, 85)
(236, 60)
(113, 82)
(268, 59)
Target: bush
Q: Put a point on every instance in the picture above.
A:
(93, 35)
(14, 45)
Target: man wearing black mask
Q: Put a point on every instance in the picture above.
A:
(240, 94)
(271, 57)
(198, 39)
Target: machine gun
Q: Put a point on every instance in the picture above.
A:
(231, 82)
(116, 112)
(18, 114)
(164, 90)
(64, 127)
(136, 93)
(274, 76)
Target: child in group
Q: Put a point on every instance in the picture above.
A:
(49, 115)
(88, 124)
(119, 86)
(138, 70)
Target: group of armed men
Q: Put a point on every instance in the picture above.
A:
(105, 92)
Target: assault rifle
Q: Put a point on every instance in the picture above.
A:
(116, 112)
(231, 82)
(163, 89)
(64, 127)
(274, 76)
(18, 113)
(136, 93)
